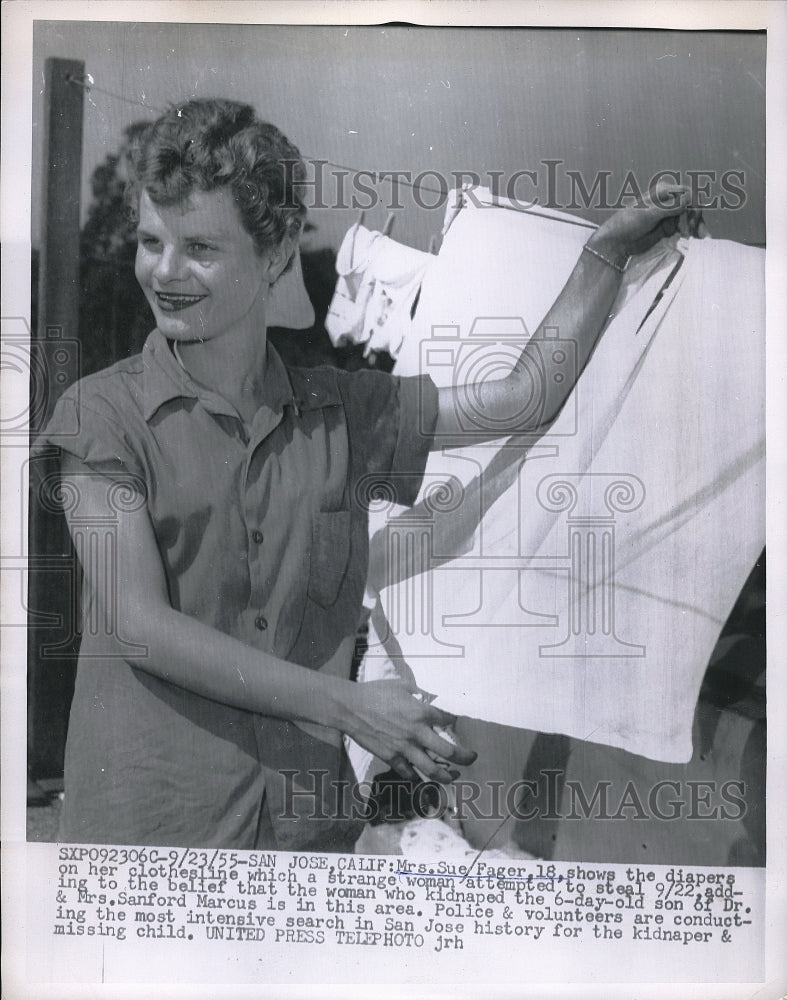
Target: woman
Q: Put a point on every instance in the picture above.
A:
(230, 493)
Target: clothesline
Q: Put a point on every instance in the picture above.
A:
(88, 84)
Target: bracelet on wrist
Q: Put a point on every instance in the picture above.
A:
(620, 268)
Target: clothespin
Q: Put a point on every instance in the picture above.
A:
(454, 205)
(389, 224)
(358, 223)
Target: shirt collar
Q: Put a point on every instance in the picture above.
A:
(165, 380)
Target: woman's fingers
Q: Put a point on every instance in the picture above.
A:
(635, 229)
(430, 757)
(418, 766)
(696, 222)
(404, 768)
(398, 725)
(447, 750)
(670, 197)
(429, 769)
(689, 223)
(439, 717)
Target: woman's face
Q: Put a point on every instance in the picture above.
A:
(199, 268)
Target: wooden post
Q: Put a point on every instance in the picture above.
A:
(58, 285)
(55, 346)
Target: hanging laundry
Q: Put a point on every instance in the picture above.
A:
(377, 284)
(579, 587)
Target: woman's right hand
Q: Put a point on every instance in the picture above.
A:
(388, 719)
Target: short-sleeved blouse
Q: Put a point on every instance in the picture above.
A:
(263, 535)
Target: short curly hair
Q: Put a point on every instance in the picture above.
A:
(212, 143)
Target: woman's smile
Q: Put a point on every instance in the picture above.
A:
(174, 302)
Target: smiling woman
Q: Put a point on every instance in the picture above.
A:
(199, 269)
(235, 534)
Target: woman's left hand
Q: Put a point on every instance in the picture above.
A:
(665, 210)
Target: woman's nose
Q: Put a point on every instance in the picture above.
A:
(169, 265)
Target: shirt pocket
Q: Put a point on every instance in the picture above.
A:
(330, 555)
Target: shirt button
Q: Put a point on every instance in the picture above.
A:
(261, 623)
(257, 537)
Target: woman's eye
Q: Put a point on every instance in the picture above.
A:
(200, 248)
(148, 242)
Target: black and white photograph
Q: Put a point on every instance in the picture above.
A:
(385, 495)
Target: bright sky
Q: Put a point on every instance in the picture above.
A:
(445, 99)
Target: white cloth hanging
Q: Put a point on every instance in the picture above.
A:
(378, 279)
(581, 590)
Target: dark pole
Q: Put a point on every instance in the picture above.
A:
(55, 346)
(58, 283)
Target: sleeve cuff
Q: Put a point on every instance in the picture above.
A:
(89, 435)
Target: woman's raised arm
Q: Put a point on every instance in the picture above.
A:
(579, 314)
